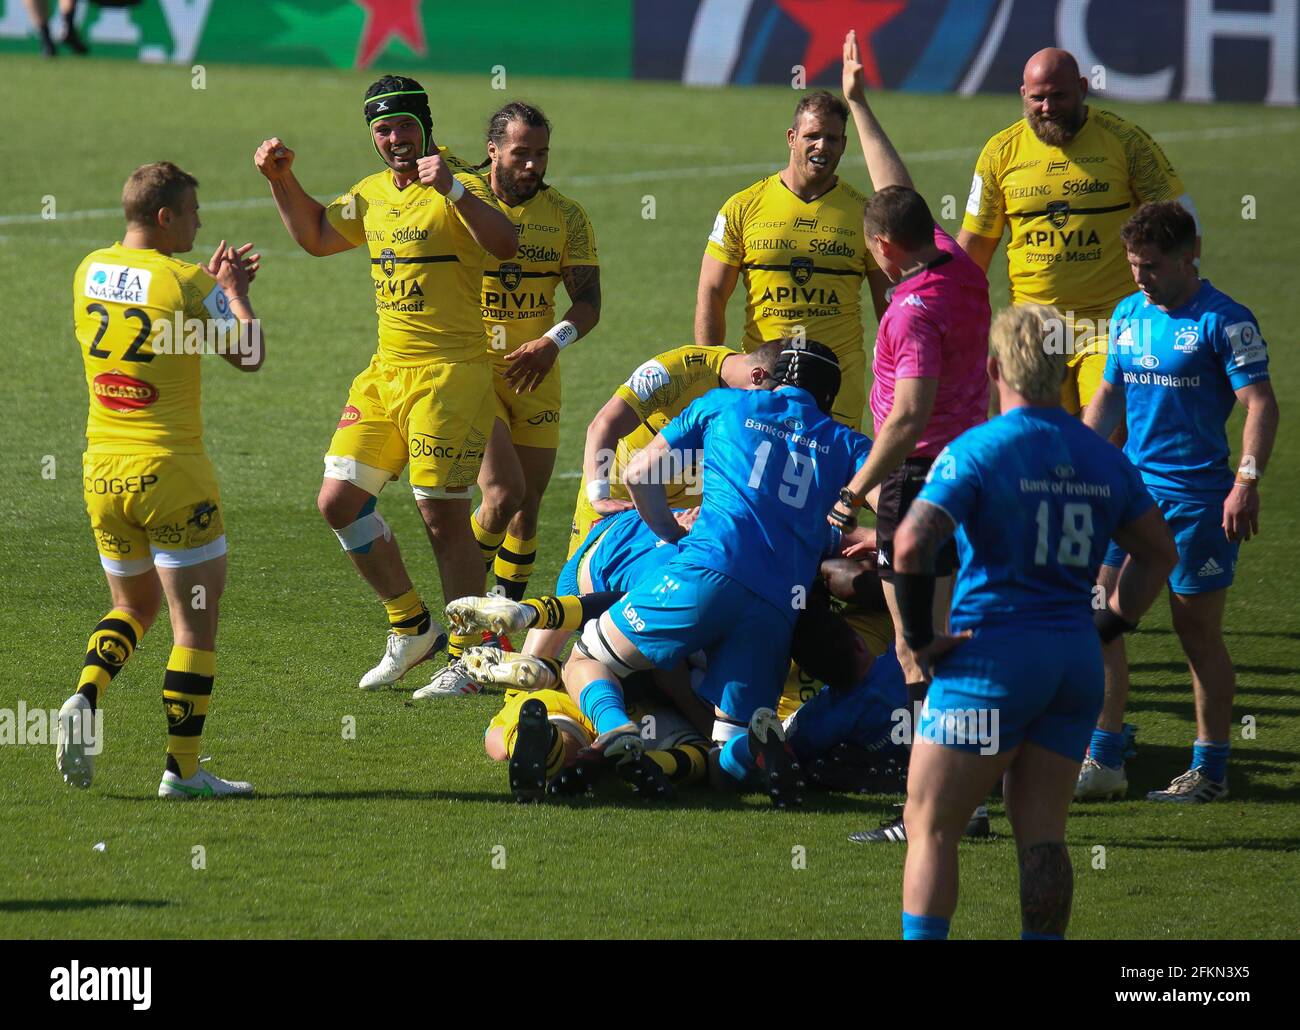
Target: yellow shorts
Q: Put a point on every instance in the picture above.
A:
(852, 398)
(533, 418)
(1087, 333)
(148, 509)
(558, 706)
(435, 416)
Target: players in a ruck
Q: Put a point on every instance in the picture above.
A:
(426, 399)
(150, 490)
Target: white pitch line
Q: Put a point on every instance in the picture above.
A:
(669, 174)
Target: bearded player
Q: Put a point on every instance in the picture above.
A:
(426, 399)
(150, 489)
(556, 244)
(1062, 181)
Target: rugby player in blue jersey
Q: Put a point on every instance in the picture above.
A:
(1033, 496)
(1182, 354)
(741, 576)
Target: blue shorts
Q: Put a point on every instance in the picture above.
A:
(683, 609)
(1010, 684)
(1207, 559)
(863, 716)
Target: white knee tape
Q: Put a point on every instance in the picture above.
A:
(348, 470)
(595, 646)
(365, 530)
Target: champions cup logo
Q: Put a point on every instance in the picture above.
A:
(119, 392)
(111, 649)
(350, 415)
(388, 261)
(801, 270)
(1058, 213)
(177, 711)
(511, 275)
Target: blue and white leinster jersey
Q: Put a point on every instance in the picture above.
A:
(772, 466)
(1036, 496)
(1179, 370)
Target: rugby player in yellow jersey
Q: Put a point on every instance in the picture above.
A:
(556, 243)
(426, 399)
(656, 393)
(1063, 180)
(150, 489)
(796, 240)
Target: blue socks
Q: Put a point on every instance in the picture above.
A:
(602, 703)
(1107, 748)
(924, 928)
(736, 759)
(1211, 759)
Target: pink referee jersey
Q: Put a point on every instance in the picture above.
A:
(937, 327)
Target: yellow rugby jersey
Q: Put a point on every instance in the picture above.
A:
(876, 630)
(658, 391)
(129, 306)
(802, 263)
(519, 295)
(427, 268)
(1065, 207)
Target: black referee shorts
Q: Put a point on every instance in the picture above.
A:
(897, 493)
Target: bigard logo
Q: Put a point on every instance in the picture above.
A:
(119, 392)
(801, 270)
(511, 275)
(350, 415)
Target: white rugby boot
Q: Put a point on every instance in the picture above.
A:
(201, 785)
(402, 653)
(74, 750)
(1099, 782)
(492, 613)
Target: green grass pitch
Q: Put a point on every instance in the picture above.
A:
(395, 833)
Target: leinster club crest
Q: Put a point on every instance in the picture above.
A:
(511, 275)
(1058, 212)
(388, 261)
(801, 270)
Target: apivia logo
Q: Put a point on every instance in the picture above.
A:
(103, 983)
(1148, 361)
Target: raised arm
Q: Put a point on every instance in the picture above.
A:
(884, 165)
(302, 214)
(979, 249)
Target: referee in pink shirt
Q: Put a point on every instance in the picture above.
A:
(930, 381)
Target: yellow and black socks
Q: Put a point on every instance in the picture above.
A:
(488, 542)
(685, 763)
(514, 565)
(571, 612)
(407, 614)
(554, 751)
(111, 643)
(187, 687)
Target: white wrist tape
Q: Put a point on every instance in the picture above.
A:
(598, 490)
(563, 334)
(457, 190)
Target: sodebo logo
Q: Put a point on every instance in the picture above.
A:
(103, 983)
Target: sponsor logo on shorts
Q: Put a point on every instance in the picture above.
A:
(105, 485)
(119, 392)
(350, 415)
(544, 418)
(202, 516)
(633, 619)
(1210, 568)
(426, 445)
(111, 543)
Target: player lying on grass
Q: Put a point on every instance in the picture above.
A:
(426, 399)
(150, 490)
(1034, 498)
(656, 393)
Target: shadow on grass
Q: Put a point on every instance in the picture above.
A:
(1156, 765)
(1179, 844)
(1180, 669)
(1275, 634)
(69, 904)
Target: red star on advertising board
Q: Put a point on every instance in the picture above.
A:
(827, 21)
(386, 19)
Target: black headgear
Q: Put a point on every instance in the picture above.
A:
(811, 366)
(396, 94)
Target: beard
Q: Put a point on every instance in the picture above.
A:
(517, 191)
(1058, 131)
